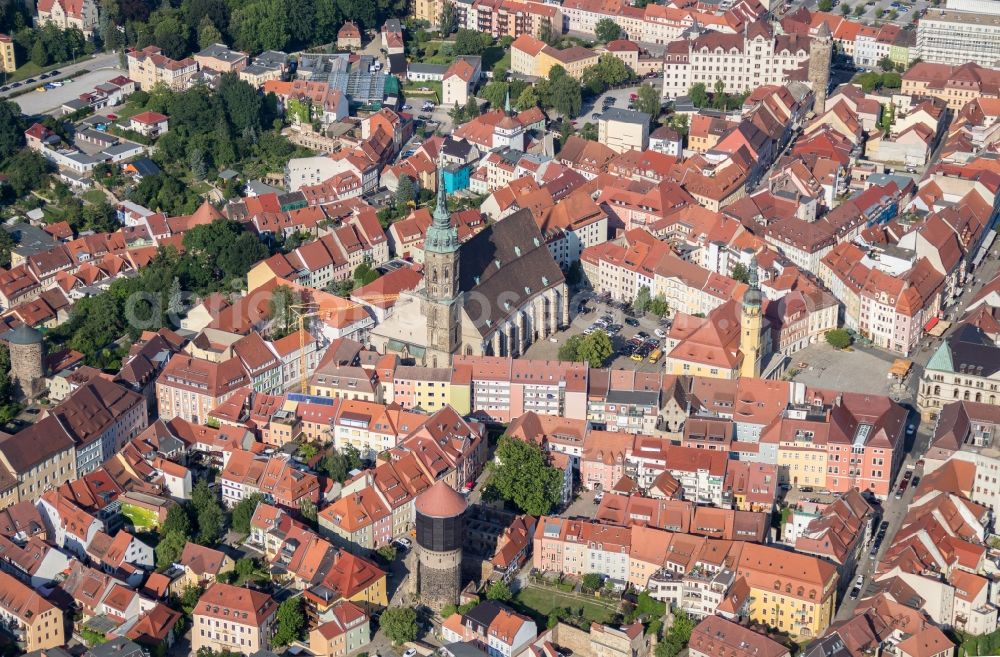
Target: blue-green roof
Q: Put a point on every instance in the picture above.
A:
(941, 360)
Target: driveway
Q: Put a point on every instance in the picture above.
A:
(50, 102)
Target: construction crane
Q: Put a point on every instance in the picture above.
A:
(307, 310)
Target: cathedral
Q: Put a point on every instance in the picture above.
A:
(494, 294)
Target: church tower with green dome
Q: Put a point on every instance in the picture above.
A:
(441, 262)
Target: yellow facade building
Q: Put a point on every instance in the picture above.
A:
(7, 62)
(790, 592)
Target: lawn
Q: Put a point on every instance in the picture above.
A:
(412, 89)
(94, 196)
(141, 518)
(538, 602)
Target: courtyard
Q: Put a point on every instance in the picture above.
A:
(853, 370)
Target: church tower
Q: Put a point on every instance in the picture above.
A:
(751, 326)
(441, 283)
(820, 58)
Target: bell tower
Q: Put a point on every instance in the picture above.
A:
(751, 325)
(441, 283)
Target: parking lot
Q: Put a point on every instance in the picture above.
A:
(907, 10)
(50, 102)
(549, 349)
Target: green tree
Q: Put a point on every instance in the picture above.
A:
(446, 22)
(658, 305)
(719, 95)
(338, 465)
(698, 94)
(607, 30)
(860, 9)
(38, 55)
(642, 299)
(527, 99)
(261, 25)
(825, 5)
(6, 244)
(291, 622)
(892, 80)
(520, 475)
(406, 194)
(679, 122)
(499, 591)
(845, 9)
(592, 581)
(364, 274)
(569, 349)
(470, 42)
(243, 513)
(565, 96)
(495, 93)
(211, 523)
(387, 553)
(309, 511)
(741, 273)
(399, 624)
(189, 598)
(12, 127)
(169, 549)
(284, 316)
(648, 100)
(100, 217)
(589, 132)
(595, 349)
(177, 520)
(839, 338)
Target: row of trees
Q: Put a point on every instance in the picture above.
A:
(49, 44)
(719, 99)
(253, 25)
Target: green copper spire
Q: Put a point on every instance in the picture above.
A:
(506, 103)
(441, 236)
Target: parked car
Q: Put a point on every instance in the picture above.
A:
(631, 322)
(598, 497)
(403, 542)
(855, 592)
(660, 333)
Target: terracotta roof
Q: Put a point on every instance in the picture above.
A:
(440, 501)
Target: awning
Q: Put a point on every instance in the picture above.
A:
(900, 368)
(931, 324)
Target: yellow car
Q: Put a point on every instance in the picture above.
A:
(637, 357)
(655, 356)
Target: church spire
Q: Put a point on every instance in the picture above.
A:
(441, 217)
(506, 102)
(441, 236)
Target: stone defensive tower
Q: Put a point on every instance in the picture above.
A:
(27, 354)
(440, 534)
(820, 58)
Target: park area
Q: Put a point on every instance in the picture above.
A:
(141, 519)
(540, 603)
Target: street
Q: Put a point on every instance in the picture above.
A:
(98, 62)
